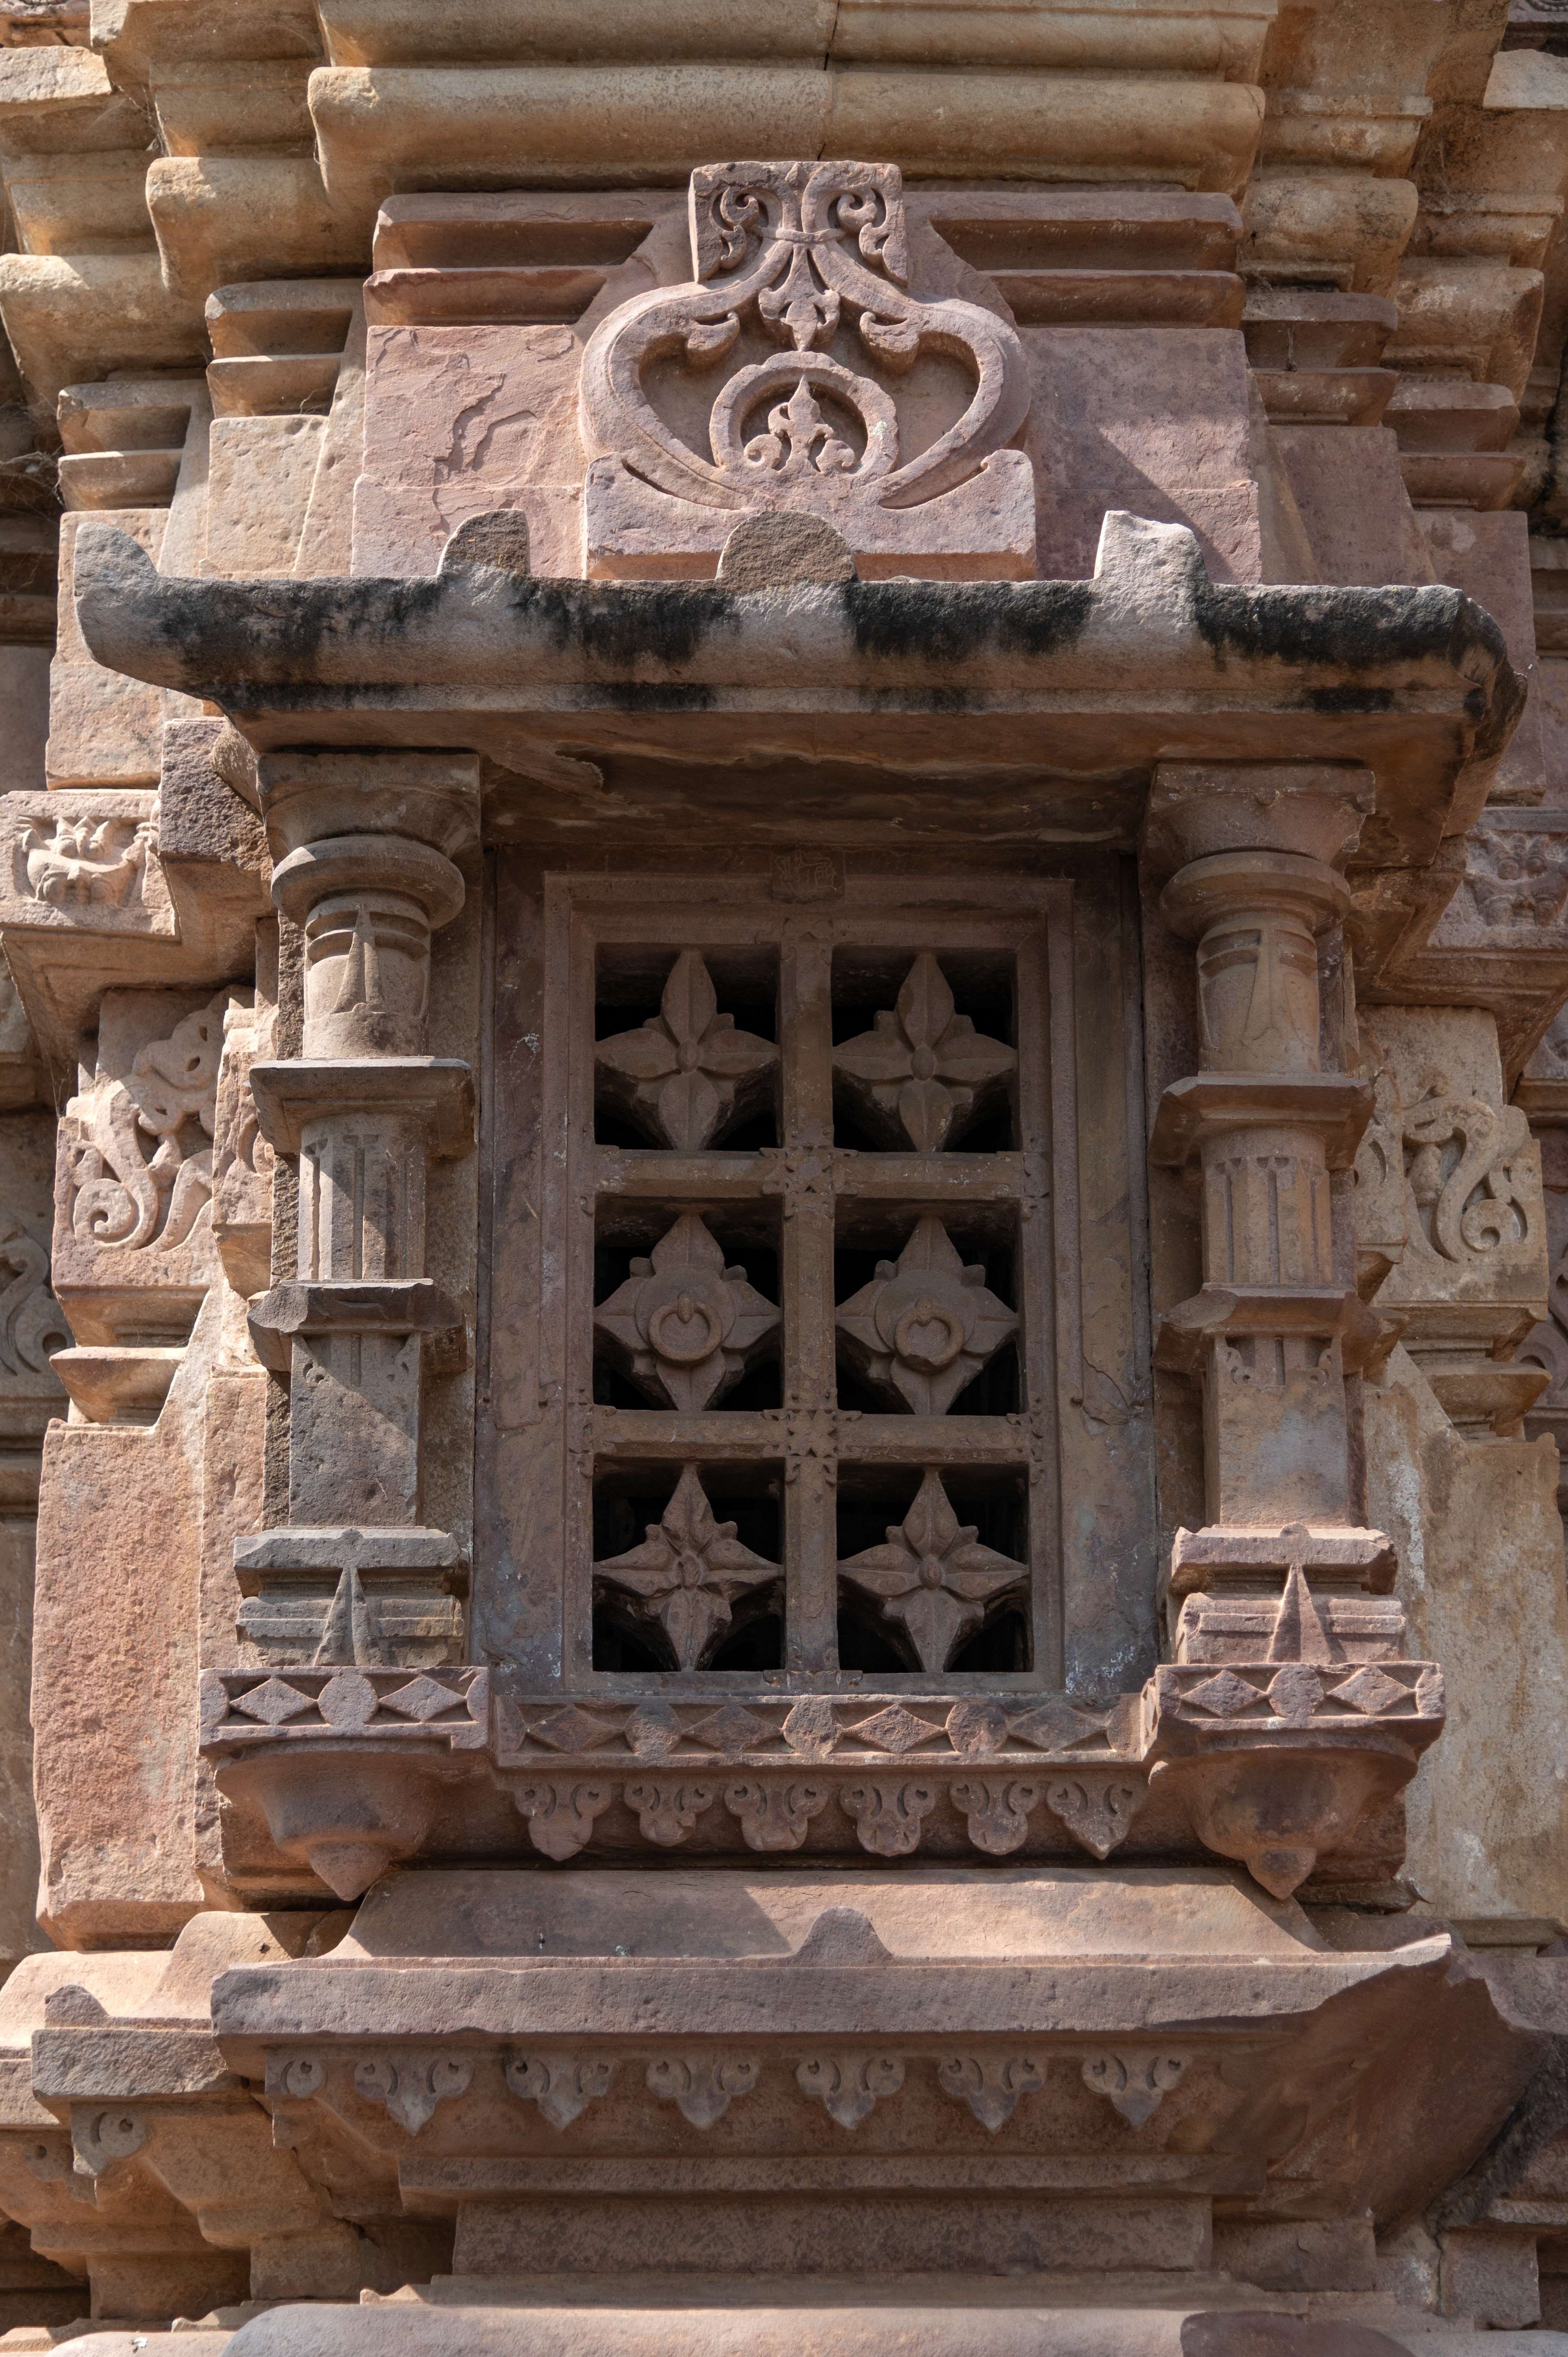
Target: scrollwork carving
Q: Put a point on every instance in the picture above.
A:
(790, 250)
(996, 1809)
(888, 1816)
(990, 2085)
(32, 1323)
(1133, 2081)
(775, 1816)
(561, 1816)
(849, 2086)
(563, 2085)
(701, 2086)
(666, 1812)
(1098, 1811)
(412, 2087)
(101, 2139)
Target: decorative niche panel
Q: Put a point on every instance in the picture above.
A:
(816, 1348)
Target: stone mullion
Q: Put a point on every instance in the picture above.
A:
(807, 1291)
(1035, 1283)
(579, 1200)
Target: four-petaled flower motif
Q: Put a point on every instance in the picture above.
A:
(922, 1075)
(689, 1074)
(932, 1576)
(683, 1324)
(687, 1571)
(925, 1325)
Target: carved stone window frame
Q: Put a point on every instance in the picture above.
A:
(1080, 1438)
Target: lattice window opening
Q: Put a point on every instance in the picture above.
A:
(688, 1311)
(925, 1050)
(927, 1309)
(686, 1050)
(933, 1569)
(688, 1568)
(820, 1207)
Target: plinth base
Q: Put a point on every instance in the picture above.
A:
(1022, 2323)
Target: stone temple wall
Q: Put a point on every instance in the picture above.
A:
(783, 1178)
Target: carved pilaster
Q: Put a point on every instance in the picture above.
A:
(1270, 1769)
(364, 848)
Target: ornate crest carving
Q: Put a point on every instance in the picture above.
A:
(800, 314)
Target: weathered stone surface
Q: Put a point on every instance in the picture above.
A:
(798, 843)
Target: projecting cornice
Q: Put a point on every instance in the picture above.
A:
(1069, 689)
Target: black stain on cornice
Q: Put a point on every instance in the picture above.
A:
(621, 625)
(1357, 628)
(952, 623)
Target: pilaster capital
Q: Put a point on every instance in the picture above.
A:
(1226, 886)
(1313, 810)
(426, 797)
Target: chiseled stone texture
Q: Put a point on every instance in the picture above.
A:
(460, 421)
(1481, 1577)
(114, 1668)
(1155, 423)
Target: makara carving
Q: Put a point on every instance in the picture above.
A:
(689, 1075)
(75, 864)
(1517, 877)
(933, 1575)
(925, 1325)
(923, 1074)
(683, 1326)
(687, 1572)
(1469, 1172)
(120, 1193)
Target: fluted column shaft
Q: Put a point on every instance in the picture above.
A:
(1263, 1127)
(364, 848)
